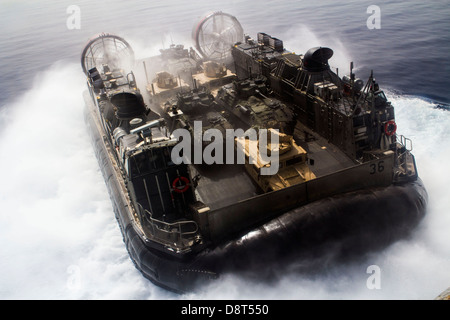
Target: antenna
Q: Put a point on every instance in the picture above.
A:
(352, 76)
(145, 69)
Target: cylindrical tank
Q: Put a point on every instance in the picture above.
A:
(118, 133)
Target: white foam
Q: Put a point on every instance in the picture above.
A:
(56, 214)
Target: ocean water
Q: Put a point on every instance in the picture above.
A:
(58, 235)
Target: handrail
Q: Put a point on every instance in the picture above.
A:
(178, 224)
(404, 142)
(169, 228)
(401, 156)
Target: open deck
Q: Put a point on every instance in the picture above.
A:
(223, 185)
(326, 157)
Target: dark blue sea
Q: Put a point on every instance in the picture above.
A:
(58, 235)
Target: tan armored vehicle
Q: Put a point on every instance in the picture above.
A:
(293, 168)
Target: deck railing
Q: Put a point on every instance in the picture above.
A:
(406, 146)
(178, 234)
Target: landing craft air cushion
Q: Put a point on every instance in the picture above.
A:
(346, 180)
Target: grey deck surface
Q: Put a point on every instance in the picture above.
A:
(327, 157)
(223, 185)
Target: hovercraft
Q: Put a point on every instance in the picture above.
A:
(316, 159)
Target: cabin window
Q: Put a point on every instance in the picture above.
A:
(381, 95)
(380, 99)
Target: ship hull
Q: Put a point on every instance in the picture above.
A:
(343, 225)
